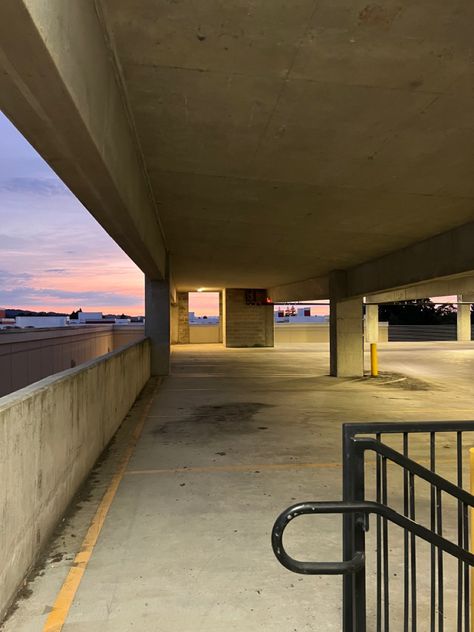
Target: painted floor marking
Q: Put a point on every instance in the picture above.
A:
(58, 615)
(211, 469)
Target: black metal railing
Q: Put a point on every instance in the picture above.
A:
(360, 442)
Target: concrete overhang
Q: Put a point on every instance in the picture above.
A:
(59, 86)
(281, 141)
(455, 285)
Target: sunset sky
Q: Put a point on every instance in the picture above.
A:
(54, 256)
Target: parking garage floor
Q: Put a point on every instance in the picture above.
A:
(233, 436)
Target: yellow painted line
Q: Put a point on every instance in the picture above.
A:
(58, 615)
(260, 466)
(234, 468)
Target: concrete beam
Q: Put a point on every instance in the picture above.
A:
(450, 253)
(440, 287)
(307, 290)
(61, 87)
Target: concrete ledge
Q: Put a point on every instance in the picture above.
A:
(51, 434)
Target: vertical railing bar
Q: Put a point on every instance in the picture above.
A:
(433, 528)
(439, 530)
(460, 530)
(379, 544)
(467, 593)
(386, 593)
(406, 579)
(413, 554)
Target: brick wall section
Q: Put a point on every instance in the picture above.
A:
(183, 317)
(247, 325)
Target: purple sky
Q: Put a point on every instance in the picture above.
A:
(53, 254)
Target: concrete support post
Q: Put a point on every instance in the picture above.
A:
(157, 324)
(183, 318)
(221, 317)
(346, 337)
(371, 323)
(174, 323)
(246, 325)
(464, 318)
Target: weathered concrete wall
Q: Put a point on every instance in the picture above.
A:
(126, 334)
(204, 334)
(313, 333)
(51, 434)
(247, 325)
(29, 355)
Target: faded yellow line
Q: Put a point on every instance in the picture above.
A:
(58, 615)
(234, 468)
(252, 468)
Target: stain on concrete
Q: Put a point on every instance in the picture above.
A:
(378, 15)
(213, 420)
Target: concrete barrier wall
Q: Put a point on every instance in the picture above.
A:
(29, 355)
(51, 434)
(287, 333)
(126, 334)
(204, 334)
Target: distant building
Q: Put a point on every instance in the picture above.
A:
(42, 321)
(202, 320)
(300, 315)
(122, 321)
(85, 317)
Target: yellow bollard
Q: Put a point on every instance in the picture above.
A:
(374, 361)
(471, 460)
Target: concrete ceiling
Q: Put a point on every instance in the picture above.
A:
(288, 138)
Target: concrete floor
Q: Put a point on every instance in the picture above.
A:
(232, 438)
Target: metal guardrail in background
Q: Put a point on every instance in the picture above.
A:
(421, 333)
(356, 508)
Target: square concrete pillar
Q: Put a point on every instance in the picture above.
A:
(246, 325)
(464, 318)
(372, 323)
(346, 336)
(157, 324)
(183, 317)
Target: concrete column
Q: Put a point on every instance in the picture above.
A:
(246, 325)
(157, 324)
(174, 323)
(221, 317)
(346, 336)
(183, 318)
(372, 323)
(464, 318)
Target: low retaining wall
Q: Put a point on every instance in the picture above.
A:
(315, 332)
(51, 434)
(29, 355)
(204, 334)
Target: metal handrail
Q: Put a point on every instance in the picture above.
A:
(366, 443)
(362, 510)
(355, 509)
